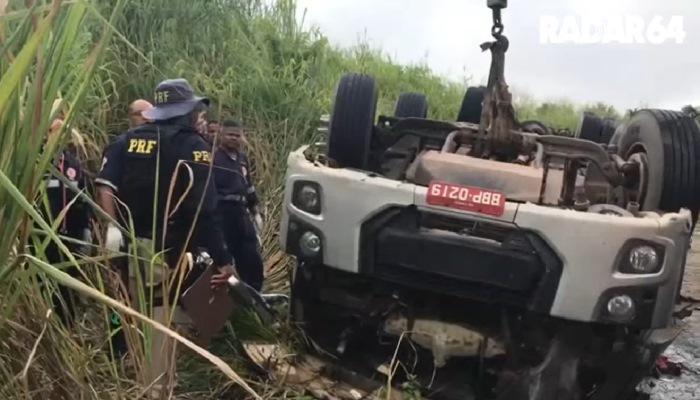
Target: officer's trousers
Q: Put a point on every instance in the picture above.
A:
(150, 289)
(242, 243)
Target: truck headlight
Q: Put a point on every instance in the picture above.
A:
(307, 197)
(642, 258)
(621, 307)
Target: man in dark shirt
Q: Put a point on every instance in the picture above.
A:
(238, 203)
(160, 172)
(213, 128)
(130, 172)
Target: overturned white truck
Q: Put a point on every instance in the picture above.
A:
(486, 257)
(562, 264)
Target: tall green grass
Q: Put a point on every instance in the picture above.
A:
(46, 73)
(42, 63)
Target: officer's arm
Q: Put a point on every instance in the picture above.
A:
(207, 232)
(251, 194)
(105, 199)
(109, 177)
(107, 183)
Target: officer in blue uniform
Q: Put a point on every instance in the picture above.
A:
(170, 155)
(130, 171)
(238, 203)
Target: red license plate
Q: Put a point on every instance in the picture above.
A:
(466, 198)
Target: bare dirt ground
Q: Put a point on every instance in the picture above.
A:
(686, 348)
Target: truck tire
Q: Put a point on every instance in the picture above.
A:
(411, 105)
(668, 142)
(615, 139)
(590, 127)
(472, 104)
(352, 121)
(609, 127)
(537, 127)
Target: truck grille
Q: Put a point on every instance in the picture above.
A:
(473, 259)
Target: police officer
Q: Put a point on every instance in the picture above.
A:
(213, 128)
(238, 203)
(168, 154)
(136, 110)
(62, 187)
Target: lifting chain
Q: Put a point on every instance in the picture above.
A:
(496, 6)
(498, 116)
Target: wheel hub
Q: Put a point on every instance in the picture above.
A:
(638, 178)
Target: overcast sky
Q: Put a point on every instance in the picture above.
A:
(446, 35)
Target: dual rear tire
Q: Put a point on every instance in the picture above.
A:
(596, 129)
(353, 118)
(352, 121)
(411, 105)
(666, 145)
(472, 105)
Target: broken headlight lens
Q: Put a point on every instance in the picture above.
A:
(642, 258)
(307, 196)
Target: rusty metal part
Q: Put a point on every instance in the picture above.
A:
(496, 138)
(571, 168)
(637, 173)
(572, 148)
(545, 174)
(451, 144)
(498, 115)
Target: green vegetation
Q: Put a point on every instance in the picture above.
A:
(560, 114)
(86, 60)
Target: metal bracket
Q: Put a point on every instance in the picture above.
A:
(572, 148)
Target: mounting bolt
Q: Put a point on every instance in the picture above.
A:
(633, 207)
(581, 203)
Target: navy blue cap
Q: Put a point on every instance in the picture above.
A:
(173, 98)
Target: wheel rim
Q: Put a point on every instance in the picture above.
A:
(639, 177)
